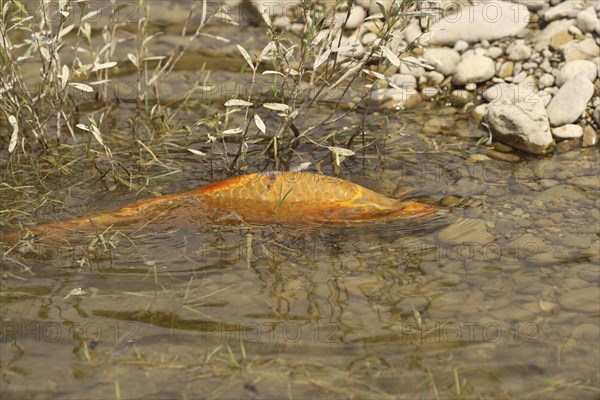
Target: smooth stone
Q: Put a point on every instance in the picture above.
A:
(526, 247)
(590, 137)
(461, 46)
(515, 313)
(545, 81)
(562, 10)
(356, 17)
(589, 182)
(545, 97)
(546, 66)
(498, 146)
(497, 155)
(561, 39)
(591, 273)
(547, 184)
(575, 31)
(443, 59)
(395, 98)
(474, 69)
(495, 52)
(475, 158)
(478, 112)
(518, 51)
(533, 5)
(596, 115)
(570, 101)
(433, 126)
(543, 39)
(368, 38)
(459, 98)
(512, 93)
(470, 87)
(576, 67)
(518, 67)
(520, 77)
(582, 50)
(569, 131)
(373, 8)
(400, 95)
(297, 28)
(522, 125)
(568, 145)
(404, 81)
(480, 21)
(567, 192)
(411, 304)
(412, 31)
(506, 69)
(549, 307)
(434, 77)
(429, 92)
(588, 333)
(466, 231)
(576, 283)
(586, 300)
(376, 27)
(587, 20)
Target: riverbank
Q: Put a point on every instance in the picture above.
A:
(528, 70)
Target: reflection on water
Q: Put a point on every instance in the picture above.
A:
(360, 310)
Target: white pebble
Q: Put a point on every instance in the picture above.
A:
(569, 131)
(474, 69)
(545, 81)
(576, 67)
(404, 81)
(520, 77)
(494, 52)
(545, 97)
(546, 66)
(429, 92)
(518, 51)
(587, 20)
(413, 31)
(356, 17)
(470, 86)
(434, 77)
(517, 68)
(461, 46)
(368, 38)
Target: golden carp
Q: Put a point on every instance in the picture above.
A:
(293, 198)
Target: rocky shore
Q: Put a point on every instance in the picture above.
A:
(528, 70)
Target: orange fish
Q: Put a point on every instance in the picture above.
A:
(293, 198)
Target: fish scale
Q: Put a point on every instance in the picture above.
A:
(277, 197)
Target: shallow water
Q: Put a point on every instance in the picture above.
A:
(498, 298)
(501, 298)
